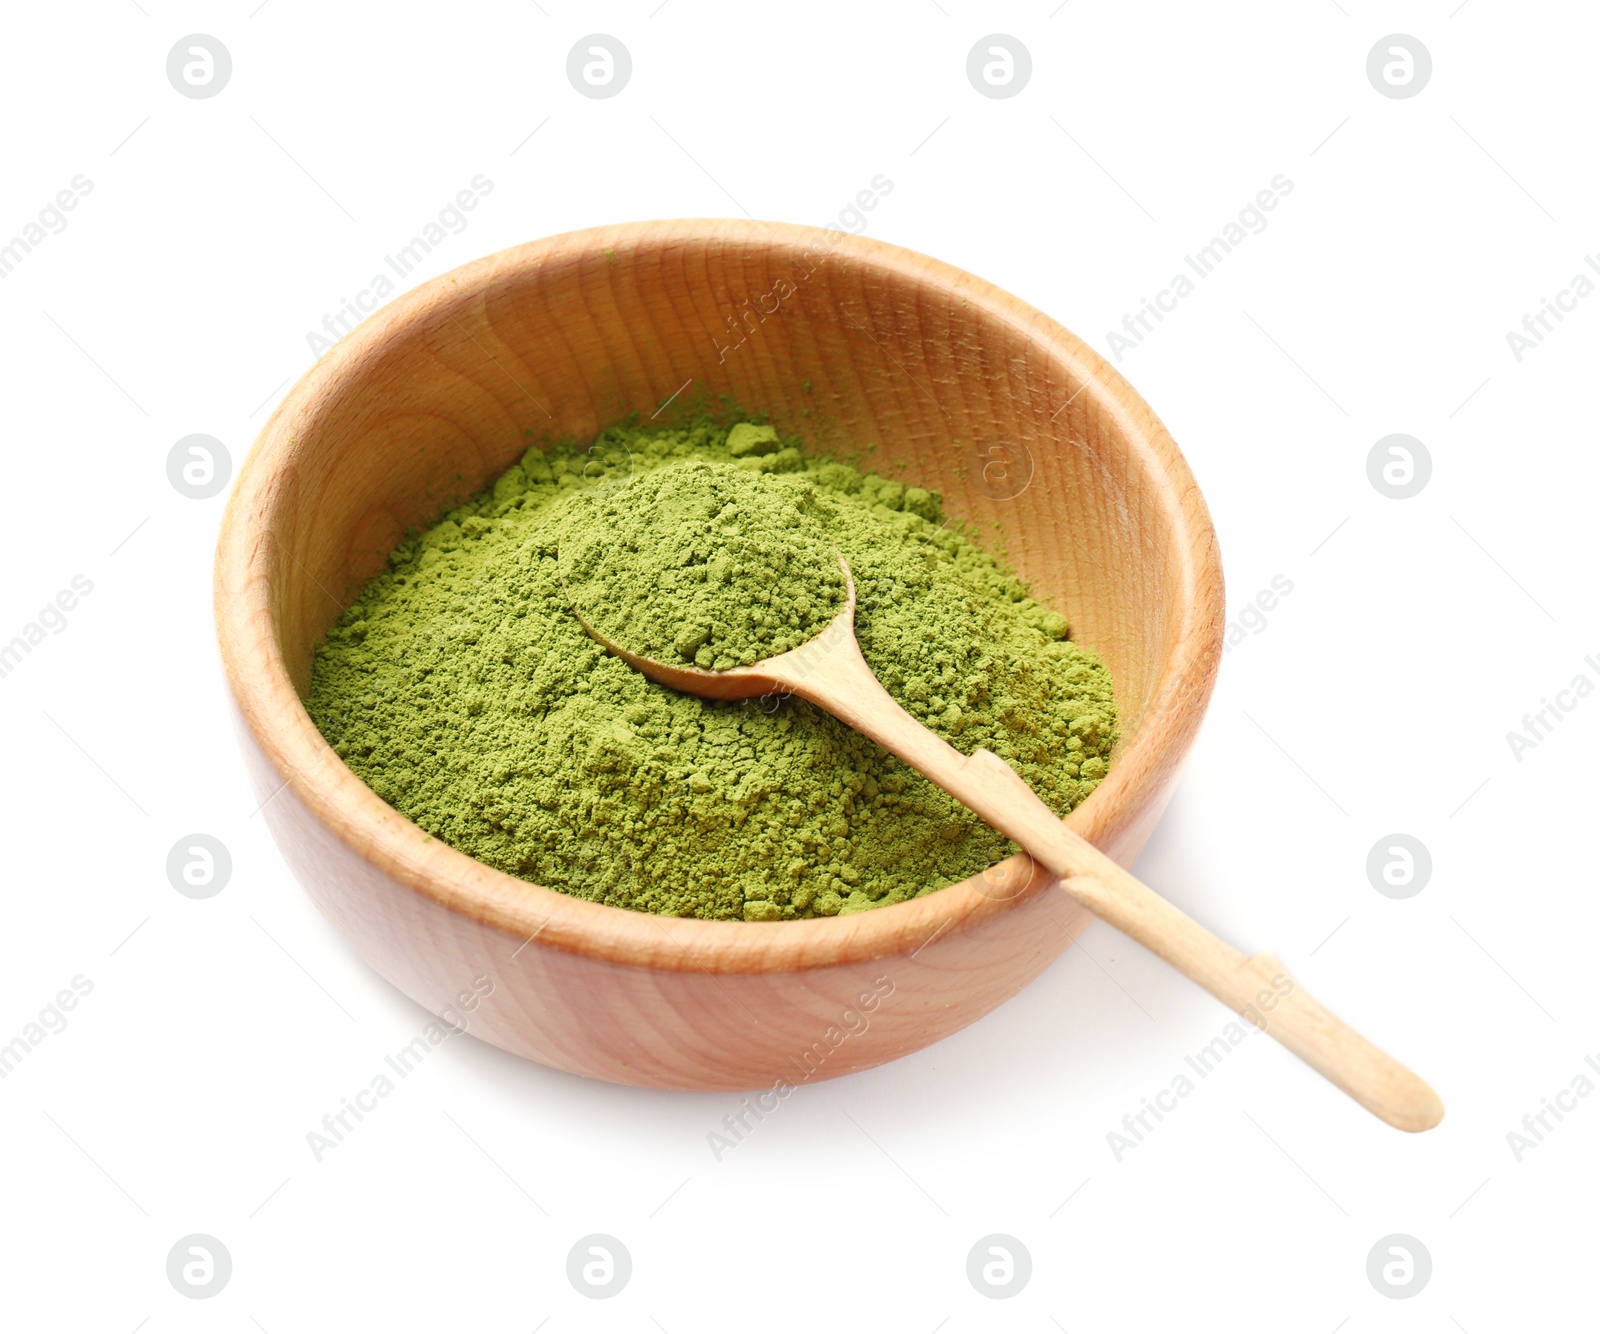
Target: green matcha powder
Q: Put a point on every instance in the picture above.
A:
(462, 688)
(700, 564)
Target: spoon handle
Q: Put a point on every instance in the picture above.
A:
(1258, 987)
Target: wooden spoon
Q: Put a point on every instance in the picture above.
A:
(830, 672)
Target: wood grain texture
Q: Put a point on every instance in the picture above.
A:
(436, 394)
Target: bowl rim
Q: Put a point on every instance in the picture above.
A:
(272, 711)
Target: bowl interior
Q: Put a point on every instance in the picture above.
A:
(943, 380)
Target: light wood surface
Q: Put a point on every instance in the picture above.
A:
(848, 342)
(830, 671)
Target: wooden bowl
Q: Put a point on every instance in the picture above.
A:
(846, 341)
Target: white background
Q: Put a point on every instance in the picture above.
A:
(1377, 698)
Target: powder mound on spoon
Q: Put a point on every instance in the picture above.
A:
(705, 565)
